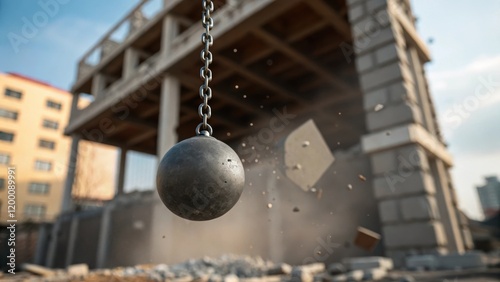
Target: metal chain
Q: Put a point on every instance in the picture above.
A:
(204, 110)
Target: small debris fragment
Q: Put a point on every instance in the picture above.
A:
(378, 107)
(314, 190)
(361, 177)
(236, 86)
(366, 239)
(320, 194)
(244, 96)
(306, 144)
(269, 205)
(296, 209)
(349, 186)
(297, 167)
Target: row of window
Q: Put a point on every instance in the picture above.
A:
(18, 95)
(33, 187)
(9, 137)
(47, 123)
(42, 143)
(37, 211)
(39, 165)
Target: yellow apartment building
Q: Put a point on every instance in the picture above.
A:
(33, 116)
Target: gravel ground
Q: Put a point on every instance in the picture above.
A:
(232, 268)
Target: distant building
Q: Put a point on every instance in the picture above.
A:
(489, 195)
(33, 116)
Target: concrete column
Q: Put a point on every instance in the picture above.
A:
(447, 209)
(51, 252)
(162, 219)
(104, 230)
(130, 63)
(421, 90)
(67, 201)
(98, 85)
(170, 31)
(74, 105)
(120, 183)
(169, 115)
(404, 185)
(73, 233)
(41, 244)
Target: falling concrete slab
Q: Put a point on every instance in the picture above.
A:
(306, 155)
(366, 239)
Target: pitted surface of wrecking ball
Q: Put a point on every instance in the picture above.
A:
(200, 178)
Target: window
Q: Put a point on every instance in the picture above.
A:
(6, 136)
(38, 188)
(53, 105)
(47, 144)
(50, 124)
(2, 183)
(4, 158)
(13, 93)
(8, 114)
(43, 165)
(34, 210)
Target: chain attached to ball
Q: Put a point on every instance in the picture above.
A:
(204, 110)
(201, 178)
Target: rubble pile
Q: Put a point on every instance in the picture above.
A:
(228, 268)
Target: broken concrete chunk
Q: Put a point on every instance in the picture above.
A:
(280, 269)
(355, 275)
(314, 158)
(81, 269)
(422, 262)
(336, 268)
(38, 270)
(374, 274)
(312, 268)
(299, 275)
(366, 239)
(366, 263)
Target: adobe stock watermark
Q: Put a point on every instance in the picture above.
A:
(31, 26)
(483, 91)
(251, 146)
(405, 168)
(322, 251)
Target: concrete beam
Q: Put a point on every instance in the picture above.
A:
(406, 134)
(301, 59)
(332, 17)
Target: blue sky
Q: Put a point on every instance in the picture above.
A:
(464, 76)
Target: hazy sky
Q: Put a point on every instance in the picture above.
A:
(464, 75)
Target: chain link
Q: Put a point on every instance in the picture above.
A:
(204, 110)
